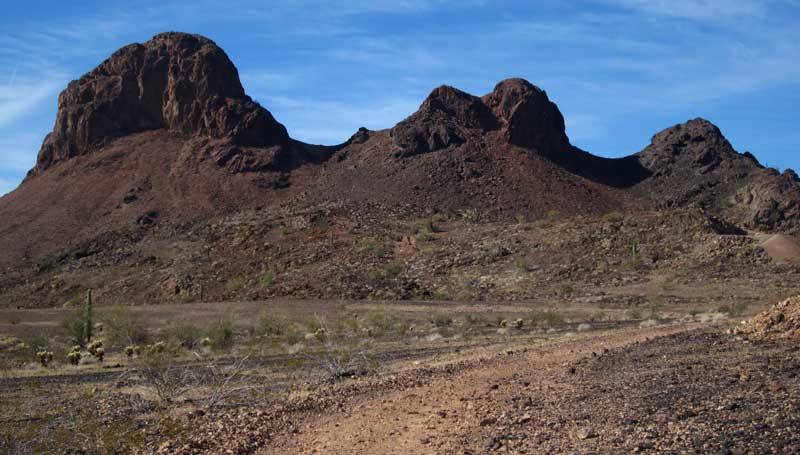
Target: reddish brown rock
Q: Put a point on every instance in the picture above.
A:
(175, 81)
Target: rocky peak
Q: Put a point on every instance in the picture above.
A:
(445, 118)
(528, 117)
(696, 144)
(522, 111)
(174, 81)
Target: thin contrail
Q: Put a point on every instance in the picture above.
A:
(13, 76)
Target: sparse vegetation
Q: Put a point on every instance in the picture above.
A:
(547, 318)
(266, 279)
(121, 327)
(235, 284)
(566, 287)
(185, 334)
(614, 217)
(221, 333)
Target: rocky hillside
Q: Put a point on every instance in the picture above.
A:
(161, 138)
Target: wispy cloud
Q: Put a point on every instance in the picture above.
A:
(697, 9)
(19, 98)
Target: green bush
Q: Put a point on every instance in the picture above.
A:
(522, 266)
(274, 325)
(234, 284)
(381, 322)
(566, 287)
(74, 329)
(374, 246)
(266, 279)
(394, 268)
(221, 333)
(547, 318)
(613, 217)
(121, 327)
(185, 334)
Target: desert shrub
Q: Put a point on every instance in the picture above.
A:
(381, 322)
(273, 325)
(426, 225)
(74, 328)
(522, 266)
(613, 217)
(440, 295)
(440, 320)
(633, 314)
(633, 262)
(374, 246)
(185, 334)
(235, 284)
(733, 310)
(159, 370)
(266, 279)
(394, 268)
(121, 327)
(425, 236)
(547, 318)
(345, 358)
(221, 333)
(566, 287)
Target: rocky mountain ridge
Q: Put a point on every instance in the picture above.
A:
(163, 134)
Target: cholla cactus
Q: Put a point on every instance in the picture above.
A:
(156, 348)
(205, 342)
(96, 349)
(94, 346)
(132, 350)
(74, 355)
(321, 334)
(45, 357)
(504, 323)
(518, 323)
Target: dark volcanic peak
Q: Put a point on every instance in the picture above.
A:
(520, 110)
(697, 144)
(447, 117)
(529, 118)
(175, 81)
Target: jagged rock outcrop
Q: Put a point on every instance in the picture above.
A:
(518, 109)
(693, 163)
(447, 117)
(528, 117)
(174, 81)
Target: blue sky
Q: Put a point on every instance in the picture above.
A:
(620, 70)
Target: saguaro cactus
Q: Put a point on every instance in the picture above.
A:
(88, 323)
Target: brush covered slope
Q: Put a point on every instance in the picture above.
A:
(163, 180)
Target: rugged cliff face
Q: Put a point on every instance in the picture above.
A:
(175, 81)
